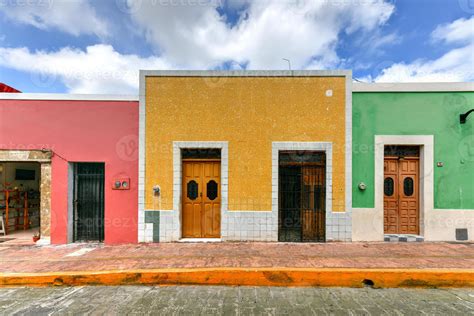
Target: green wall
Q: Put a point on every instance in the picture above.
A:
(396, 113)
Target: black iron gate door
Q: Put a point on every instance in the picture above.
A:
(302, 197)
(89, 202)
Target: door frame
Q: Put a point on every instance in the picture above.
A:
(426, 174)
(326, 147)
(43, 157)
(176, 232)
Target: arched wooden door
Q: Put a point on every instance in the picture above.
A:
(201, 199)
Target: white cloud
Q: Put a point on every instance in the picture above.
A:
(454, 66)
(74, 17)
(99, 69)
(192, 33)
(379, 40)
(459, 31)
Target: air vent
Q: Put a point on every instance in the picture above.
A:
(461, 234)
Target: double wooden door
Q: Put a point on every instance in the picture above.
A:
(201, 199)
(401, 196)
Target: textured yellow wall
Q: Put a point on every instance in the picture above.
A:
(250, 113)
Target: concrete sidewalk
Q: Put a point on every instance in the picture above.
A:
(227, 263)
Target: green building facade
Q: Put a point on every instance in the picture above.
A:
(426, 116)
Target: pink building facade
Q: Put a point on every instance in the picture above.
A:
(85, 153)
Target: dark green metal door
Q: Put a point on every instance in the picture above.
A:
(89, 201)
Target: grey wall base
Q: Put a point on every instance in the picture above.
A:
(152, 223)
(249, 226)
(164, 226)
(338, 226)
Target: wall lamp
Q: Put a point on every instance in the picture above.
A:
(463, 117)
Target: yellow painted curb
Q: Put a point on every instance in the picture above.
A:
(383, 278)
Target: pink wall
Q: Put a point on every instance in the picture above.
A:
(81, 131)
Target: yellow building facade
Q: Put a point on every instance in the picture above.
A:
(245, 155)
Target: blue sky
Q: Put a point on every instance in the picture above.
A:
(98, 46)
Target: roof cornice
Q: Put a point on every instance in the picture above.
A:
(414, 87)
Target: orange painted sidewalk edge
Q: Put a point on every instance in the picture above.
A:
(324, 277)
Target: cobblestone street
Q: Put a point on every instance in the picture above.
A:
(203, 300)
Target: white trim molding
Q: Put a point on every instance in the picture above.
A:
(67, 97)
(348, 144)
(426, 143)
(177, 172)
(246, 73)
(170, 220)
(325, 147)
(414, 87)
(338, 224)
(142, 227)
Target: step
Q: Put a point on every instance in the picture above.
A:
(403, 238)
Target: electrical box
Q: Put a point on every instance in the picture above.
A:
(121, 184)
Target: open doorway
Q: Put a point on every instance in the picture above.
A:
(20, 202)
